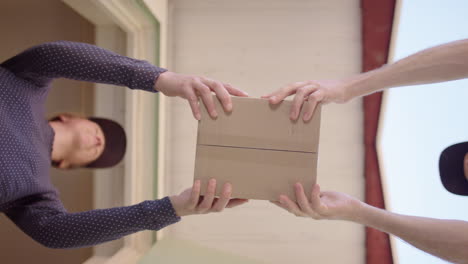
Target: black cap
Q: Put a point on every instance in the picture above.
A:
(114, 146)
(451, 167)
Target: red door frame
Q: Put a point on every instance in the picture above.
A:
(377, 20)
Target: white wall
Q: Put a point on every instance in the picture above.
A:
(260, 46)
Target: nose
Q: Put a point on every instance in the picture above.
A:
(93, 141)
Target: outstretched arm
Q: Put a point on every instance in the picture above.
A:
(437, 64)
(45, 220)
(80, 61)
(447, 239)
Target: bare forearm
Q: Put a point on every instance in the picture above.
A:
(441, 63)
(447, 239)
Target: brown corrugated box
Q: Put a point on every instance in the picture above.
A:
(258, 149)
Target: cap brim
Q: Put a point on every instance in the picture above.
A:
(114, 146)
(451, 168)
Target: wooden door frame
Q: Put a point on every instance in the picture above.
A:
(141, 115)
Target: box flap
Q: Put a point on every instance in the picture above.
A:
(256, 174)
(256, 124)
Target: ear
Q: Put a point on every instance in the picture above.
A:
(64, 165)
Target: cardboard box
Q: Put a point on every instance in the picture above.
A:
(258, 149)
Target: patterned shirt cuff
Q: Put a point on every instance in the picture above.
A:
(145, 76)
(160, 214)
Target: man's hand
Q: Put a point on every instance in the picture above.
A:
(189, 202)
(191, 87)
(321, 205)
(315, 92)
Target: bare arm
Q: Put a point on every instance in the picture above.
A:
(447, 239)
(437, 64)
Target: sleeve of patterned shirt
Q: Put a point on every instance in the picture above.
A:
(46, 221)
(79, 61)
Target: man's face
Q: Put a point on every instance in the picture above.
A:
(86, 142)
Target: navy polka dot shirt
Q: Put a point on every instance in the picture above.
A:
(27, 196)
